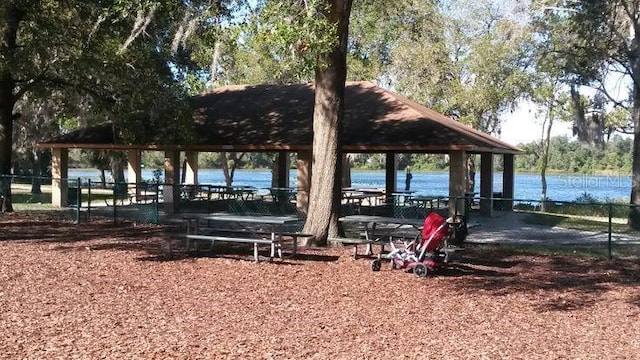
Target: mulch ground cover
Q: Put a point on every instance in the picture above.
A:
(99, 290)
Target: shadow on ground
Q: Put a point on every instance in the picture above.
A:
(552, 282)
(556, 283)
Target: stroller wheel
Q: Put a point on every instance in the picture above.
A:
(420, 270)
(393, 265)
(376, 265)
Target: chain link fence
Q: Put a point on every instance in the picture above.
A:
(86, 199)
(584, 227)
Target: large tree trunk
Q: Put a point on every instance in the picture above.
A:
(6, 129)
(326, 180)
(228, 180)
(36, 166)
(117, 170)
(8, 46)
(634, 213)
(471, 173)
(545, 143)
(229, 172)
(103, 178)
(346, 170)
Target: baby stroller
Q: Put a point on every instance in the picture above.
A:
(429, 250)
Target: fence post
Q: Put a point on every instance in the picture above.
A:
(156, 203)
(2, 192)
(610, 215)
(78, 199)
(115, 200)
(89, 200)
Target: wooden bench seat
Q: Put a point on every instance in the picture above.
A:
(132, 198)
(293, 235)
(274, 243)
(452, 253)
(355, 242)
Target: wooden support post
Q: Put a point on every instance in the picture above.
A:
(191, 170)
(171, 190)
(59, 175)
(390, 176)
(486, 184)
(282, 170)
(457, 182)
(303, 175)
(134, 172)
(508, 179)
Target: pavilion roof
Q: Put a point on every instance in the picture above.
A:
(280, 117)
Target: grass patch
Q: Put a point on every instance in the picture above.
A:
(597, 251)
(577, 223)
(23, 199)
(28, 198)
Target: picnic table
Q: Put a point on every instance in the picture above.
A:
(231, 192)
(373, 197)
(282, 196)
(194, 192)
(402, 197)
(373, 222)
(426, 201)
(246, 225)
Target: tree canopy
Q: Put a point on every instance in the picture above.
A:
(591, 41)
(96, 61)
(134, 62)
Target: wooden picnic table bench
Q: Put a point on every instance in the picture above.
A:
(384, 225)
(294, 236)
(274, 223)
(275, 244)
(355, 242)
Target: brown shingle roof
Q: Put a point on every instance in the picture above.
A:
(375, 119)
(280, 117)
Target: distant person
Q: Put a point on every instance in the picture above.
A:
(407, 181)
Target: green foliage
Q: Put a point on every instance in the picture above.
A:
(429, 162)
(470, 65)
(278, 42)
(581, 35)
(93, 61)
(379, 28)
(576, 157)
(591, 40)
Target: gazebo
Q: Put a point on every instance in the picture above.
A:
(279, 118)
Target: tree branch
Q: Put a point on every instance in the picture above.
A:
(101, 18)
(142, 21)
(631, 13)
(58, 81)
(26, 87)
(601, 88)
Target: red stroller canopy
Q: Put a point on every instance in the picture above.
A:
(435, 230)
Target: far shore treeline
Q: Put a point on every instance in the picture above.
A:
(611, 157)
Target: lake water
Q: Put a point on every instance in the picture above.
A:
(561, 187)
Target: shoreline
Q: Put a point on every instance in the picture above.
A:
(598, 173)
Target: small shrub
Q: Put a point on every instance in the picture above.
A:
(525, 206)
(586, 198)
